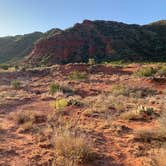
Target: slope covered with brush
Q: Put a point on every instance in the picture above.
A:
(14, 48)
(102, 40)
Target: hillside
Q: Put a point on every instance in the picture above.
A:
(102, 40)
(17, 47)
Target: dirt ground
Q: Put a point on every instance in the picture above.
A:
(113, 139)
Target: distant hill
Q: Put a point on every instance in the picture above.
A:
(15, 48)
(101, 40)
(160, 22)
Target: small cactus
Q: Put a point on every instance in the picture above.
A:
(146, 110)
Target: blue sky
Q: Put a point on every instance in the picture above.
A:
(25, 16)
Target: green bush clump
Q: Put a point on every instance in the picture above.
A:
(120, 90)
(146, 72)
(75, 102)
(60, 104)
(4, 66)
(16, 84)
(162, 71)
(145, 110)
(54, 88)
(137, 92)
(76, 75)
(91, 61)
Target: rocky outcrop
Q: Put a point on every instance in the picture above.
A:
(101, 40)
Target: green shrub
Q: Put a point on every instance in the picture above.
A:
(4, 66)
(120, 90)
(60, 104)
(162, 71)
(76, 75)
(91, 61)
(16, 84)
(141, 92)
(131, 92)
(54, 88)
(145, 110)
(75, 102)
(146, 72)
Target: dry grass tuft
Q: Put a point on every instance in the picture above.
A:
(146, 72)
(71, 150)
(76, 75)
(16, 84)
(158, 134)
(27, 126)
(27, 119)
(142, 113)
(54, 88)
(23, 117)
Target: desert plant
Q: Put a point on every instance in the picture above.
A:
(75, 102)
(141, 92)
(76, 75)
(67, 89)
(54, 88)
(102, 105)
(91, 61)
(131, 92)
(16, 67)
(145, 135)
(146, 72)
(162, 71)
(120, 90)
(16, 84)
(146, 110)
(23, 117)
(130, 115)
(73, 150)
(158, 134)
(141, 112)
(27, 126)
(88, 112)
(4, 66)
(60, 104)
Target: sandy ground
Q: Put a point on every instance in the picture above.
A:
(115, 145)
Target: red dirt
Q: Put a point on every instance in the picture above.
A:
(114, 148)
